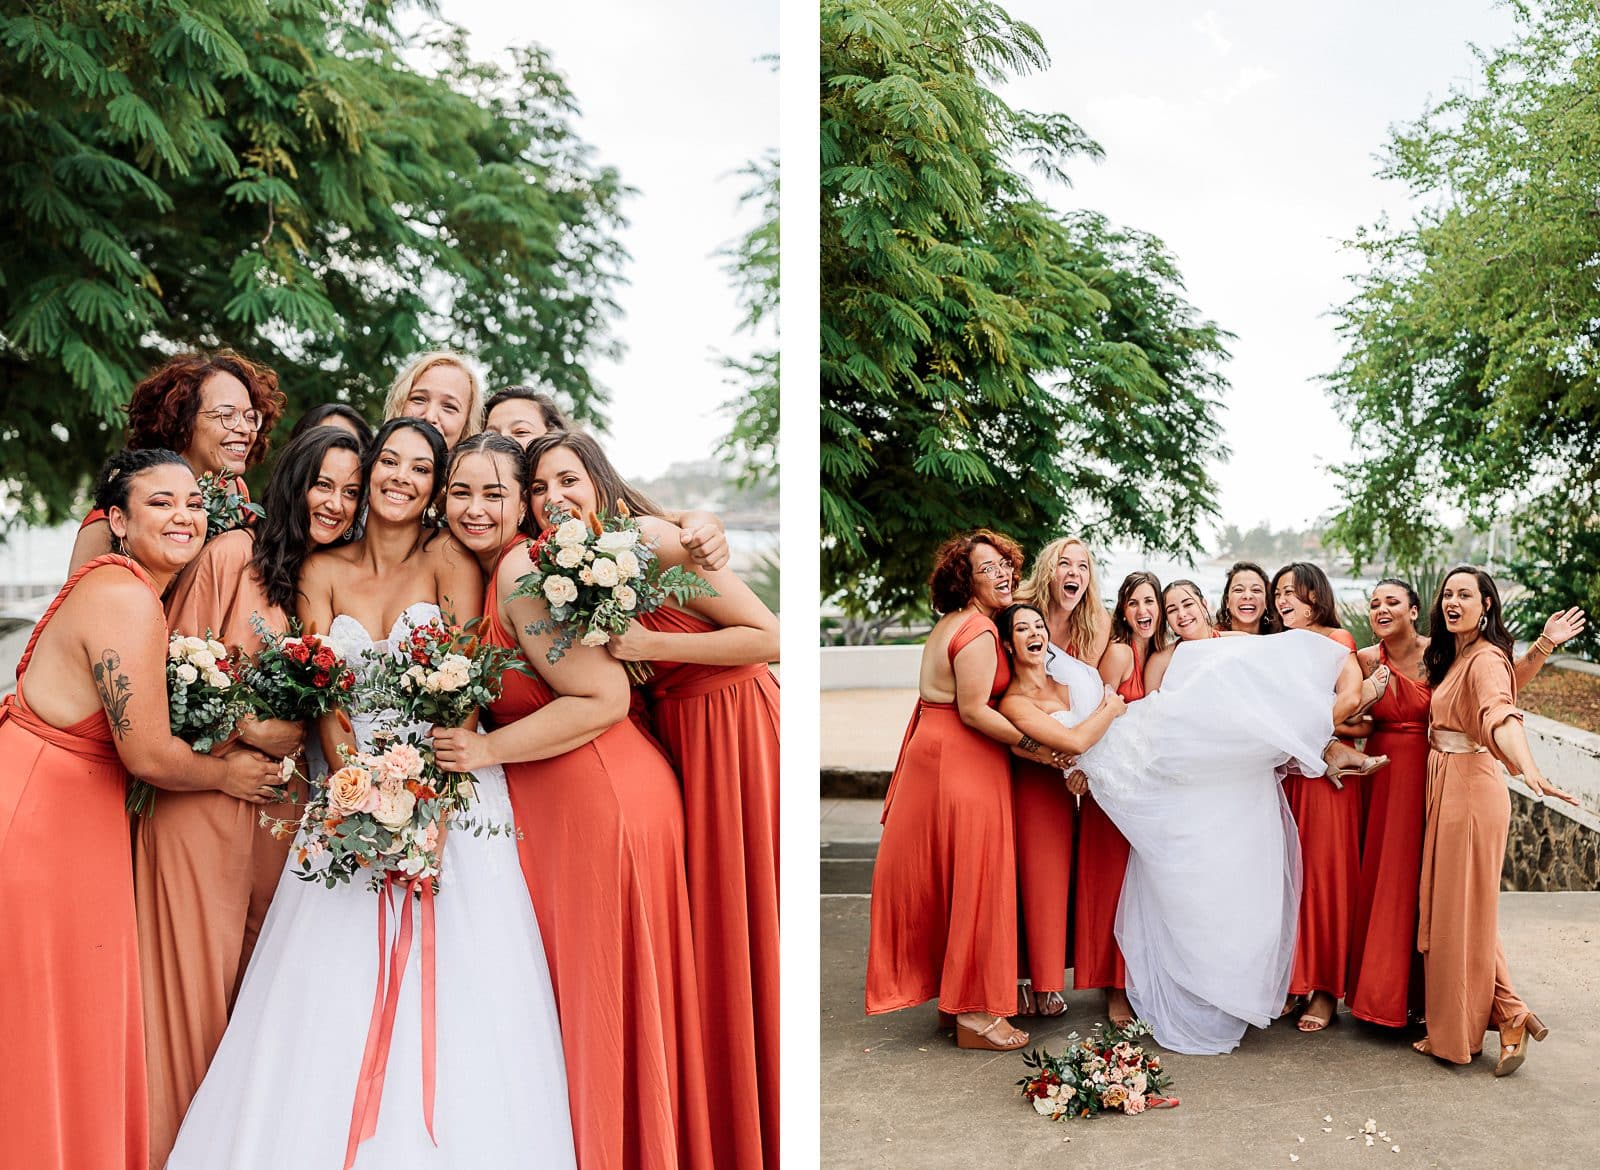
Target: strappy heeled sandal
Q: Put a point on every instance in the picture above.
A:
(1378, 681)
(1027, 1005)
(1512, 1055)
(1051, 1003)
(982, 1040)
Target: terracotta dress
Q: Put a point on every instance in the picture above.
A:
(1329, 823)
(944, 888)
(1102, 861)
(1467, 982)
(204, 869)
(602, 851)
(1383, 943)
(719, 725)
(71, 1040)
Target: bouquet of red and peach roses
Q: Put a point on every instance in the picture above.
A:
(295, 676)
(1097, 1074)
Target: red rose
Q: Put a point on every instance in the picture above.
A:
(298, 652)
(320, 679)
(323, 658)
(346, 681)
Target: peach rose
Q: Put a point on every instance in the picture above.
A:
(394, 809)
(350, 790)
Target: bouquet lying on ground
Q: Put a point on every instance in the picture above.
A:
(1107, 1071)
(205, 700)
(598, 577)
(296, 677)
(226, 506)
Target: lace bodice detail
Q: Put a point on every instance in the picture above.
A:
(350, 639)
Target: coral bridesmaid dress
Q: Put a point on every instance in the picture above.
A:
(204, 868)
(720, 726)
(71, 1041)
(1383, 946)
(944, 888)
(1329, 824)
(1102, 862)
(602, 851)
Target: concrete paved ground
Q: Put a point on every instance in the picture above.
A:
(897, 1093)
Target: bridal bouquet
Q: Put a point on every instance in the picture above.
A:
(226, 506)
(296, 677)
(444, 673)
(598, 577)
(1106, 1072)
(205, 700)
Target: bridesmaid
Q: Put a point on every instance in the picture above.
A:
(1138, 630)
(91, 707)
(1327, 815)
(522, 414)
(442, 388)
(1475, 727)
(204, 869)
(1246, 606)
(1189, 618)
(1062, 585)
(714, 706)
(602, 849)
(334, 414)
(944, 891)
(216, 410)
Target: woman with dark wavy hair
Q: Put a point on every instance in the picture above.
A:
(1246, 603)
(1474, 727)
(215, 410)
(522, 414)
(944, 888)
(204, 870)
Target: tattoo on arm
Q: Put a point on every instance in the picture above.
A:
(114, 692)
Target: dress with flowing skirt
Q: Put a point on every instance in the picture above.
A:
(1189, 775)
(70, 1032)
(944, 886)
(281, 1088)
(1100, 864)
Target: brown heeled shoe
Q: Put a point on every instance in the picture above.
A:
(981, 1039)
(1343, 760)
(1514, 1052)
(1372, 688)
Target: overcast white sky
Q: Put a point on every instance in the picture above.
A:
(1244, 135)
(676, 98)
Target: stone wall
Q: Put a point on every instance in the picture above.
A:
(1553, 846)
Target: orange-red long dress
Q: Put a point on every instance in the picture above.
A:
(1329, 823)
(1102, 862)
(944, 888)
(71, 1041)
(1383, 943)
(1467, 983)
(204, 869)
(602, 852)
(719, 725)
(1044, 814)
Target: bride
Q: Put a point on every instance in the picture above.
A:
(1190, 775)
(282, 1087)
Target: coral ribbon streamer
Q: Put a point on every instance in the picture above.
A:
(385, 1005)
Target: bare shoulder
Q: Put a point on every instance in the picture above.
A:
(114, 597)
(664, 537)
(513, 567)
(1117, 659)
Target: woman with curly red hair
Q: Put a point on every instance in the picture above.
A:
(944, 889)
(216, 410)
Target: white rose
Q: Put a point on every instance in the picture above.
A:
(596, 637)
(559, 590)
(456, 664)
(569, 558)
(217, 679)
(204, 659)
(394, 809)
(605, 573)
(628, 565)
(216, 648)
(193, 644)
(625, 597)
(615, 542)
(571, 534)
(187, 674)
(434, 683)
(586, 576)
(175, 649)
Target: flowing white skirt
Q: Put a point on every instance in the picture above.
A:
(1190, 775)
(281, 1088)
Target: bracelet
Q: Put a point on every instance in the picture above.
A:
(1543, 645)
(1027, 743)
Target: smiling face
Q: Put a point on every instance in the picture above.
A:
(561, 482)
(481, 502)
(1293, 608)
(1247, 600)
(402, 478)
(334, 496)
(441, 395)
(215, 445)
(517, 419)
(1463, 603)
(1142, 611)
(164, 524)
(992, 577)
(1030, 640)
(1072, 576)
(1390, 612)
(1186, 614)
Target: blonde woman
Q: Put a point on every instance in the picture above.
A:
(1061, 585)
(442, 388)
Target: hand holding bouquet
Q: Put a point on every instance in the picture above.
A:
(597, 577)
(1096, 1074)
(205, 700)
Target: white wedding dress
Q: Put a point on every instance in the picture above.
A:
(1190, 775)
(282, 1086)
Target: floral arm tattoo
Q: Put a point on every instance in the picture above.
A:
(114, 692)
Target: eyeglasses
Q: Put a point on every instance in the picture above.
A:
(230, 417)
(995, 572)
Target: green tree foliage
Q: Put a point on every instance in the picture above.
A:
(1469, 373)
(985, 359)
(282, 178)
(752, 444)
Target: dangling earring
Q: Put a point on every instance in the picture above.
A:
(117, 546)
(1483, 623)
